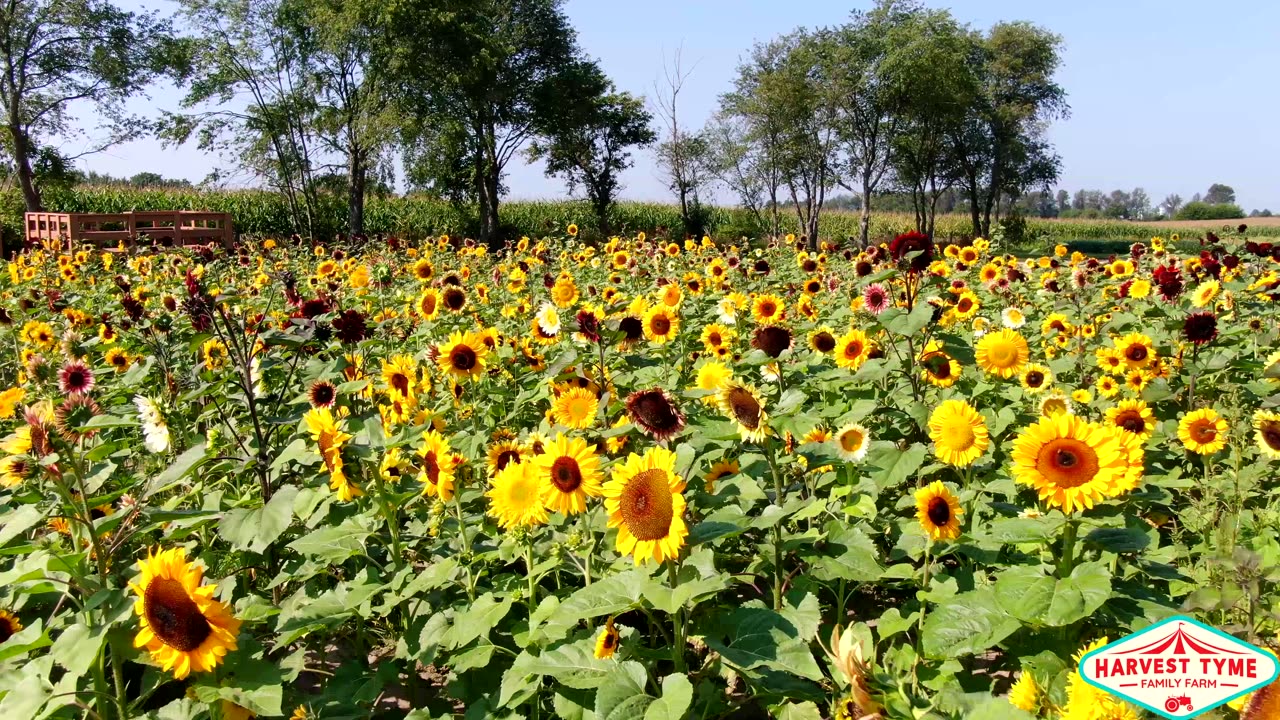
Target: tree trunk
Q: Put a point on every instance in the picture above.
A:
(22, 163)
(864, 222)
(355, 199)
(489, 231)
(973, 205)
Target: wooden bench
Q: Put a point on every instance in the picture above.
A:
(106, 230)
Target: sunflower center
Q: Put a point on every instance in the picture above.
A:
(656, 413)
(1003, 355)
(660, 325)
(853, 349)
(431, 465)
(506, 457)
(1136, 353)
(964, 305)
(1203, 433)
(939, 511)
(714, 339)
(1271, 434)
(746, 409)
(6, 629)
(632, 327)
(958, 435)
(1035, 378)
(1067, 462)
(767, 309)
(463, 358)
(824, 342)
(851, 440)
(400, 382)
(1131, 421)
(566, 475)
(173, 616)
(646, 505)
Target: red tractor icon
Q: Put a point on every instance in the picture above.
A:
(1176, 701)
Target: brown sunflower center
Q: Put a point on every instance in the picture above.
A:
(400, 382)
(939, 511)
(1035, 379)
(938, 365)
(565, 474)
(463, 358)
(646, 505)
(7, 629)
(655, 412)
(1132, 421)
(772, 340)
(173, 616)
(767, 308)
(1270, 432)
(610, 640)
(660, 325)
(714, 339)
(431, 466)
(455, 299)
(505, 458)
(964, 305)
(853, 349)
(1067, 462)
(1136, 353)
(746, 409)
(1203, 432)
(824, 342)
(632, 327)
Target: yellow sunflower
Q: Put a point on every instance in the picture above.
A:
(570, 473)
(428, 304)
(1002, 353)
(644, 500)
(1025, 694)
(1073, 463)
(9, 625)
(1205, 293)
(938, 511)
(1203, 431)
(937, 367)
(1136, 350)
(575, 408)
(329, 438)
(607, 643)
(463, 356)
(720, 469)
(400, 374)
(661, 324)
(503, 453)
(1266, 424)
(767, 309)
(852, 349)
(1036, 378)
(214, 352)
(180, 623)
(716, 336)
(564, 292)
(712, 376)
(852, 442)
(437, 473)
(742, 404)
(1132, 416)
(515, 496)
(959, 433)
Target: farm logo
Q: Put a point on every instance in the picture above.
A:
(1179, 668)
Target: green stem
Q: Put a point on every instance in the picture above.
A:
(117, 672)
(1067, 563)
(777, 530)
(677, 623)
(924, 584)
(466, 544)
(533, 582)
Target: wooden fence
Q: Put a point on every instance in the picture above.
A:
(183, 227)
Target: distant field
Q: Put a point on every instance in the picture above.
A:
(1252, 222)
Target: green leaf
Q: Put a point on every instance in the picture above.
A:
(475, 622)
(797, 711)
(622, 696)
(610, 596)
(967, 624)
(333, 544)
(256, 529)
(1119, 540)
(847, 554)
(1029, 595)
(108, 421)
(677, 694)
(77, 648)
(891, 623)
(895, 465)
(18, 522)
(763, 638)
(178, 470)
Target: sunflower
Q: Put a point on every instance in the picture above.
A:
(503, 453)
(767, 309)
(1136, 350)
(852, 349)
(938, 511)
(671, 295)
(118, 359)
(1073, 463)
(852, 442)
(716, 336)
(564, 293)
(1134, 417)
(13, 470)
(1025, 694)
(655, 412)
(742, 404)
(1267, 425)
(180, 623)
(660, 324)
(572, 230)
(1055, 403)
(570, 473)
(1107, 386)
(463, 356)
(515, 496)
(214, 352)
(711, 377)
(575, 408)
(644, 500)
(959, 433)
(1203, 431)
(1036, 378)
(9, 625)
(720, 469)
(607, 643)
(1205, 293)
(329, 438)
(822, 340)
(437, 473)
(400, 375)
(937, 367)
(1002, 353)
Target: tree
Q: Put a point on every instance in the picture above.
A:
(865, 112)
(746, 163)
(259, 53)
(1002, 151)
(592, 148)
(1219, 194)
(57, 53)
(1063, 201)
(1171, 204)
(684, 157)
(481, 78)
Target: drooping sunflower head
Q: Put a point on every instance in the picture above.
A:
(938, 511)
(181, 624)
(655, 412)
(719, 470)
(959, 433)
(570, 473)
(1203, 431)
(607, 642)
(1002, 353)
(742, 404)
(645, 502)
(1073, 463)
(937, 367)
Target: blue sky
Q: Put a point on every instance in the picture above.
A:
(1170, 96)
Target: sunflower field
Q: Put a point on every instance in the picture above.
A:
(634, 480)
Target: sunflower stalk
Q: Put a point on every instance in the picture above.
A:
(1067, 563)
(778, 575)
(677, 621)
